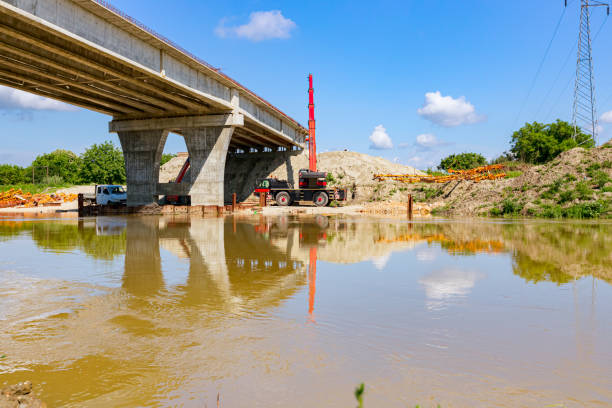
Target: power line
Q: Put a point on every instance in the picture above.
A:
(535, 78)
(569, 55)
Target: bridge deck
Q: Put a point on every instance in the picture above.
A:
(86, 53)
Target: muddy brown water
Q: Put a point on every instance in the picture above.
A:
(295, 312)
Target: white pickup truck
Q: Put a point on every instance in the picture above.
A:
(110, 194)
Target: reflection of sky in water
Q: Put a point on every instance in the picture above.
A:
(411, 320)
(442, 285)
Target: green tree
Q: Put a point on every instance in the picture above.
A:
(11, 174)
(166, 157)
(62, 163)
(539, 143)
(103, 164)
(462, 161)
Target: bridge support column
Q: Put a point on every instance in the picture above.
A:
(142, 152)
(207, 148)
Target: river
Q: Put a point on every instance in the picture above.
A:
(296, 312)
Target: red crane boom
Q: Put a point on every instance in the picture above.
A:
(312, 145)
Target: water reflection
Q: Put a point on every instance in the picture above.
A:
(395, 291)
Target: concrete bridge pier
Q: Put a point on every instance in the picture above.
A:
(207, 147)
(142, 151)
(207, 138)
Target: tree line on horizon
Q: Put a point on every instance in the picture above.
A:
(100, 164)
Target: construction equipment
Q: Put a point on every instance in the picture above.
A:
(312, 188)
(174, 199)
(491, 172)
(312, 183)
(312, 145)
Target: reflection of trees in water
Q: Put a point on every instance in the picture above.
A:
(68, 236)
(555, 252)
(257, 255)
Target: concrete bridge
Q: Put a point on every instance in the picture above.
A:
(89, 54)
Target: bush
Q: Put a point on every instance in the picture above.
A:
(166, 157)
(551, 211)
(62, 163)
(566, 196)
(593, 209)
(103, 164)
(463, 161)
(10, 174)
(583, 191)
(509, 206)
(600, 179)
(540, 143)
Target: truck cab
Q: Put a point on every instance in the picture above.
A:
(110, 194)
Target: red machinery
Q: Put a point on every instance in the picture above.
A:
(312, 145)
(173, 198)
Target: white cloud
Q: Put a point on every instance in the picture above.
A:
(14, 99)
(606, 117)
(427, 140)
(448, 111)
(262, 25)
(380, 139)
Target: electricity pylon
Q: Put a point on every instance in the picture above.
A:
(584, 114)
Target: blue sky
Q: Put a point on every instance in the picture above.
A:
(423, 79)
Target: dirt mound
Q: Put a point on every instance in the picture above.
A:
(170, 170)
(578, 180)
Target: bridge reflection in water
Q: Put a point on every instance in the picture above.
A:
(127, 329)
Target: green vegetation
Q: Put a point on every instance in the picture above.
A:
(166, 157)
(592, 209)
(59, 163)
(462, 161)
(513, 173)
(508, 207)
(540, 143)
(359, 394)
(330, 178)
(101, 164)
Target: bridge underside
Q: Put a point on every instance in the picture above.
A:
(42, 58)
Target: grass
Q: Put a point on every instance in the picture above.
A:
(592, 209)
(508, 207)
(35, 188)
(513, 173)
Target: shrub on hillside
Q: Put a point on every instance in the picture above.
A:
(462, 161)
(539, 143)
